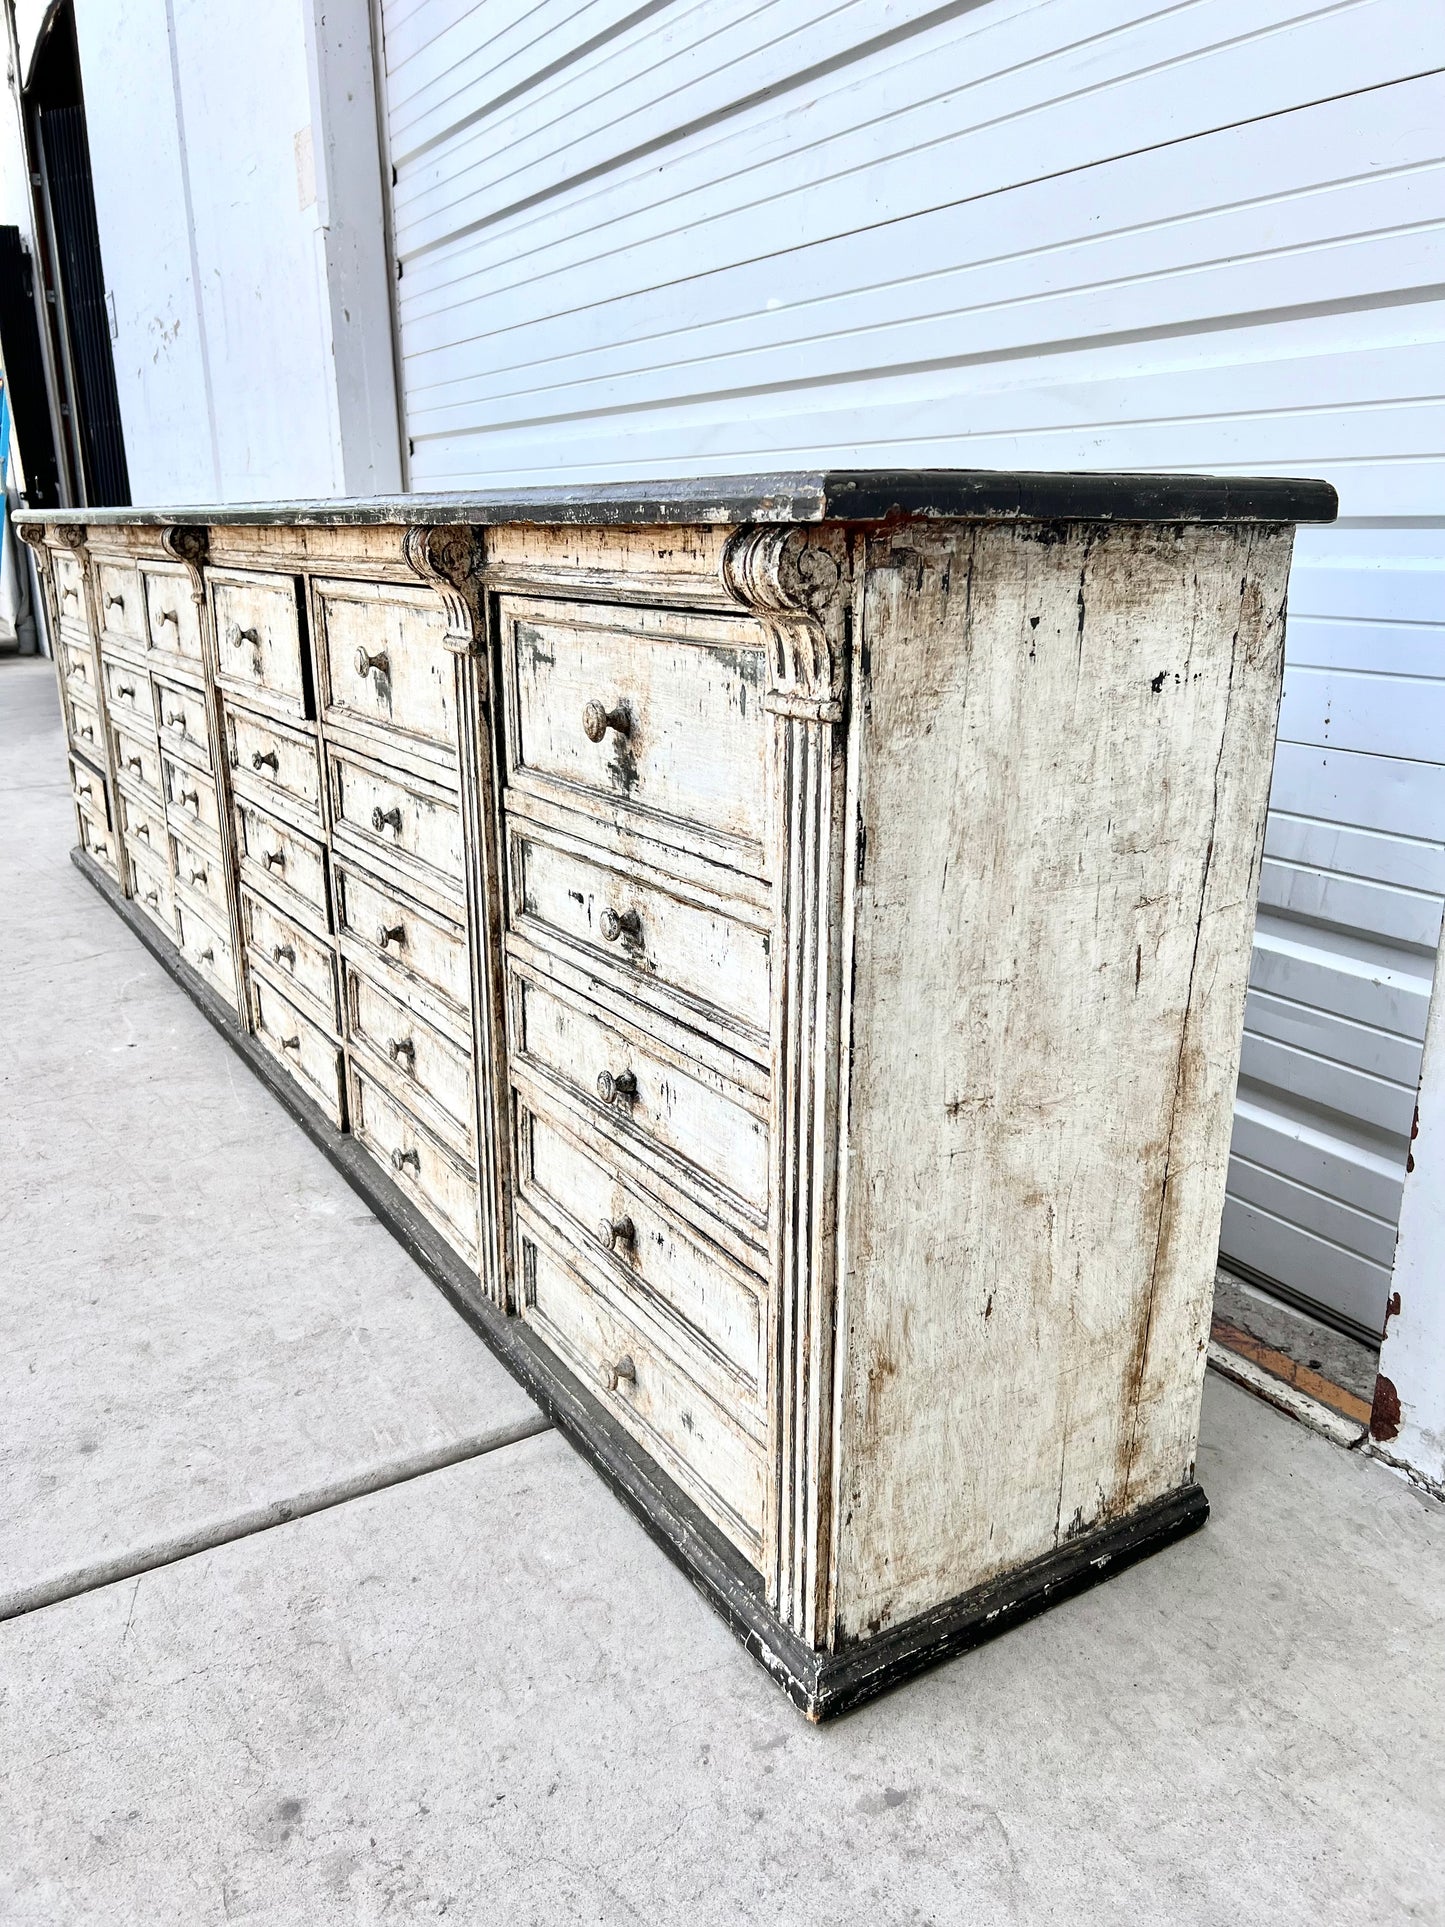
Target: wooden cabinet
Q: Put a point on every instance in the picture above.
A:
(779, 964)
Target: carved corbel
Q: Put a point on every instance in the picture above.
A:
(795, 581)
(73, 536)
(191, 546)
(449, 558)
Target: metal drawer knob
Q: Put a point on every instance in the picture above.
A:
(284, 953)
(238, 634)
(199, 877)
(382, 819)
(391, 933)
(135, 763)
(153, 897)
(208, 955)
(290, 1043)
(176, 722)
(114, 601)
(71, 591)
(266, 759)
(168, 615)
(101, 849)
(83, 789)
(613, 1232)
(400, 1160)
(274, 859)
(369, 665)
(402, 1048)
(618, 1089)
(624, 1372)
(126, 689)
(597, 719)
(79, 669)
(143, 829)
(89, 734)
(192, 798)
(621, 923)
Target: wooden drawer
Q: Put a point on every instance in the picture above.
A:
(69, 587)
(654, 933)
(150, 886)
(88, 789)
(641, 1093)
(181, 722)
(418, 1058)
(206, 945)
(191, 802)
(709, 1455)
(281, 946)
(120, 605)
(407, 826)
(200, 871)
(441, 1188)
(258, 636)
(307, 1052)
(287, 866)
(173, 624)
(411, 943)
(271, 762)
(137, 760)
(128, 695)
(77, 667)
(685, 747)
(143, 827)
(383, 660)
(709, 1310)
(97, 840)
(82, 722)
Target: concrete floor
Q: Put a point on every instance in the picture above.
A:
(479, 1692)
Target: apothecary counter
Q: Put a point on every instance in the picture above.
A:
(774, 948)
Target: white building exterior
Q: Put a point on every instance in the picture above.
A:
(597, 238)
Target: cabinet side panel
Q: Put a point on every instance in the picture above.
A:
(1067, 738)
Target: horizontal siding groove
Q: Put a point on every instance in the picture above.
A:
(1319, 1237)
(1311, 1190)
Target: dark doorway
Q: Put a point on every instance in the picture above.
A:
(74, 279)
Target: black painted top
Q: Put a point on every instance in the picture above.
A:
(864, 495)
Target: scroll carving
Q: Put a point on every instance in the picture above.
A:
(795, 581)
(191, 546)
(449, 558)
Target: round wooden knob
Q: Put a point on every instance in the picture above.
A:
(621, 923)
(613, 1232)
(624, 1372)
(597, 719)
(383, 819)
(367, 664)
(616, 1089)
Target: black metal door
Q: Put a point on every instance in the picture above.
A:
(82, 286)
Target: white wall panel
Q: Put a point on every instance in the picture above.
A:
(723, 235)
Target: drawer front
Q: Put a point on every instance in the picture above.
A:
(151, 889)
(709, 1455)
(408, 940)
(287, 863)
(97, 840)
(395, 816)
(82, 719)
(190, 795)
(205, 946)
(173, 625)
(258, 635)
(88, 790)
(307, 1052)
(418, 1054)
(652, 932)
(122, 611)
(271, 761)
(143, 826)
(69, 587)
(181, 722)
(710, 1306)
(200, 871)
(650, 1097)
(289, 951)
(686, 742)
(440, 1188)
(77, 667)
(128, 695)
(385, 660)
(138, 759)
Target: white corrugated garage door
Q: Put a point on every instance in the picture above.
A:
(693, 235)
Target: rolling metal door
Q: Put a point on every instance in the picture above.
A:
(720, 235)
